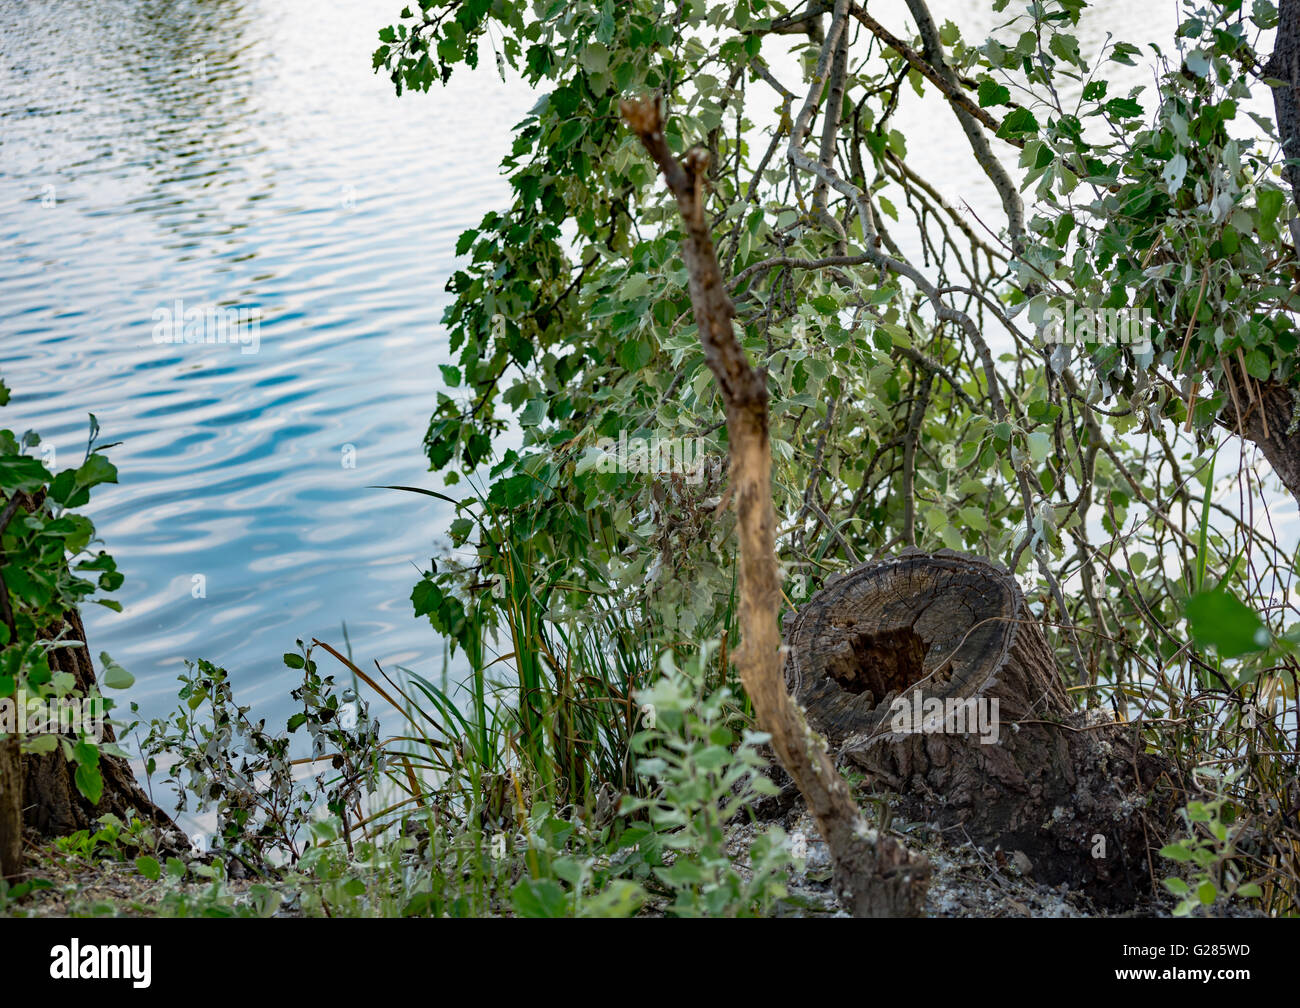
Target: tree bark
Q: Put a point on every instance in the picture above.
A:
(52, 803)
(11, 756)
(1267, 416)
(1284, 65)
(874, 874)
(1268, 409)
(928, 672)
(39, 792)
(11, 809)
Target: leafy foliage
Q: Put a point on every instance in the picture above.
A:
(48, 567)
(1209, 854)
(707, 777)
(916, 398)
(234, 766)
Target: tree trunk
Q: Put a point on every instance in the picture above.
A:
(927, 672)
(1268, 417)
(11, 809)
(1284, 65)
(52, 804)
(39, 792)
(1267, 412)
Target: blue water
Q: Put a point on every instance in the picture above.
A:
(241, 153)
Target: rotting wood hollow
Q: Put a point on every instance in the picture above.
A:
(1000, 754)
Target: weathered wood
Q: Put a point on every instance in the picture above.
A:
(1010, 762)
(875, 874)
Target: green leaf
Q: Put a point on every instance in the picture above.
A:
(1020, 122)
(95, 470)
(1176, 852)
(635, 354)
(538, 898)
(426, 597)
(1065, 46)
(1123, 108)
(19, 472)
(90, 782)
(43, 744)
(1258, 366)
(421, 905)
(1269, 202)
(993, 93)
(1198, 64)
(1218, 619)
(148, 867)
(1095, 90)
(533, 414)
(115, 677)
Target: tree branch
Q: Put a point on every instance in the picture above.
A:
(876, 875)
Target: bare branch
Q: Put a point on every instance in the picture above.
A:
(876, 875)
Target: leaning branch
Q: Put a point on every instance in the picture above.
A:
(876, 875)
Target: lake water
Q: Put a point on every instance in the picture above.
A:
(242, 153)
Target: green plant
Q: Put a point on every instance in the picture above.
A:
(556, 649)
(914, 396)
(113, 839)
(232, 764)
(48, 568)
(1209, 852)
(707, 772)
(12, 894)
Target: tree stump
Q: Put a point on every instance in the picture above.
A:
(11, 809)
(928, 672)
(52, 804)
(38, 792)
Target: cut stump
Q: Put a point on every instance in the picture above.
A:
(927, 672)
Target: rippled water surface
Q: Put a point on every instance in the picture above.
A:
(238, 152)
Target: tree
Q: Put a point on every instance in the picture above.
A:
(936, 378)
(876, 874)
(55, 780)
